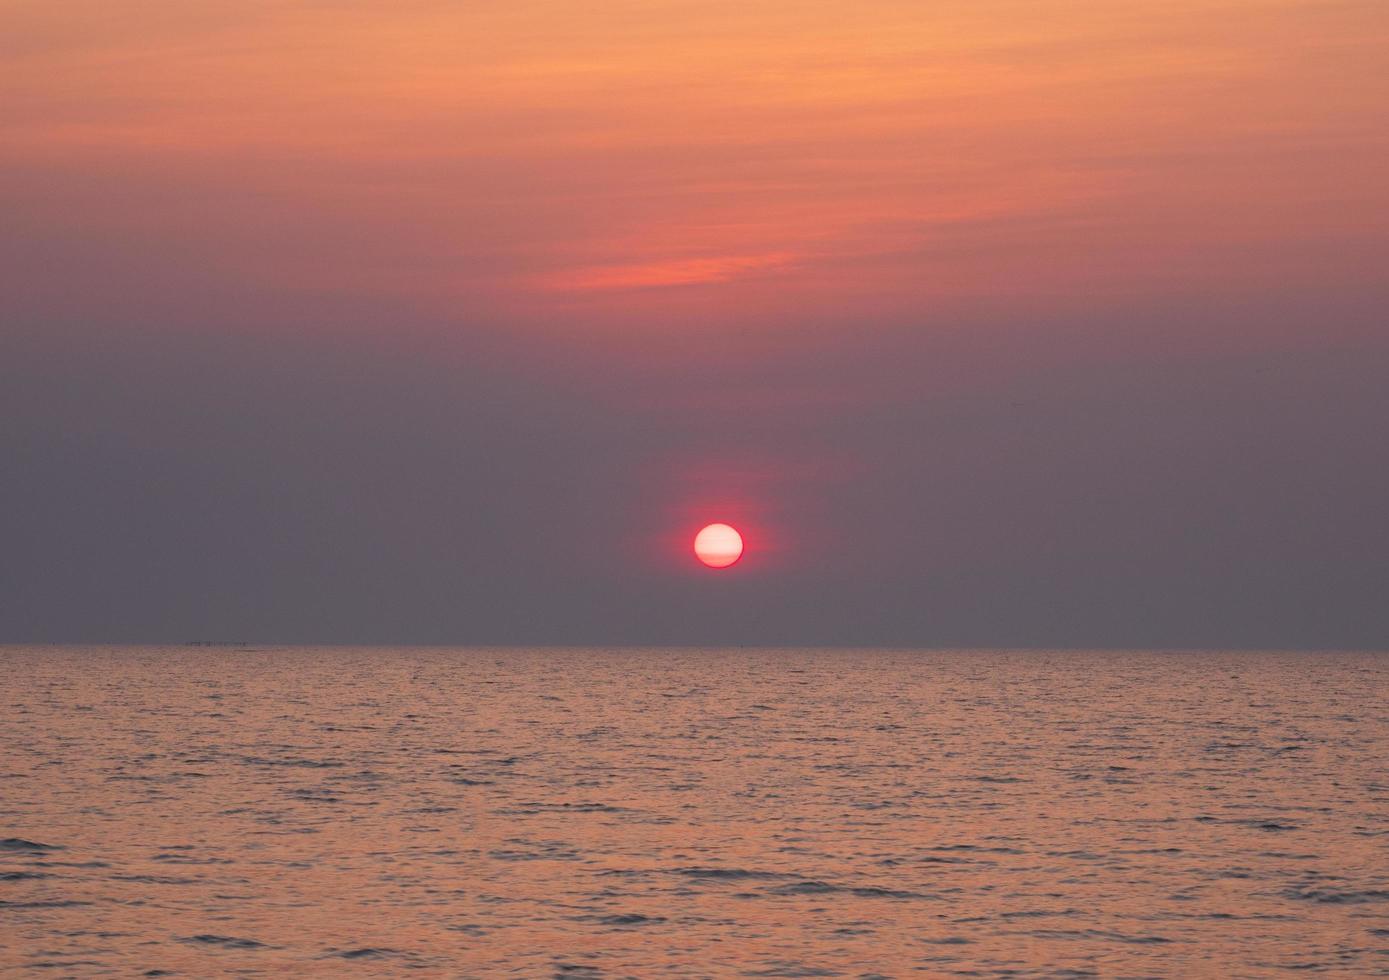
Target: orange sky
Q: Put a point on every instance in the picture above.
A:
(985, 321)
(596, 162)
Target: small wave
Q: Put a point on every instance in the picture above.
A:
(157, 879)
(1118, 937)
(1337, 896)
(730, 874)
(189, 859)
(546, 854)
(806, 888)
(792, 970)
(365, 953)
(623, 919)
(528, 809)
(22, 846)
(226, 942)
(252, 760)
(976, 848)
(55, 903)
(811, 887)
(872, 891)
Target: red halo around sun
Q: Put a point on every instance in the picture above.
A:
(718, 545)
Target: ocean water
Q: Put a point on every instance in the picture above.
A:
(738, 813)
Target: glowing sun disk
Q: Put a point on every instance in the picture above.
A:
(718, 545)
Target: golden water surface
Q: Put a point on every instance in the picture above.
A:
(611, 813)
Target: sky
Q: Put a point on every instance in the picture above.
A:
(987, 322)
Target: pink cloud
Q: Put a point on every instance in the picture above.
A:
(675, 272)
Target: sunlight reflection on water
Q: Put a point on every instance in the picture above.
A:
(684, 812)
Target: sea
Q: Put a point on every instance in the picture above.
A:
(583, 813)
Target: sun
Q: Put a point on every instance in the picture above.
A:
(718, 545)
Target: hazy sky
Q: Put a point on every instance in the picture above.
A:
(987, 321)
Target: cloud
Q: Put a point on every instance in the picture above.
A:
(674, 272)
